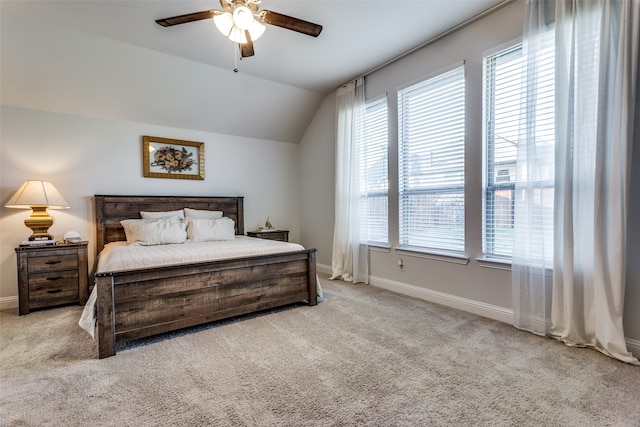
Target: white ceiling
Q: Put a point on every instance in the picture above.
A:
(358, 35)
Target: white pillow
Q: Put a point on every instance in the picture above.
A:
(167, 214)
(202, 213)
(206, 230)
(149, 232)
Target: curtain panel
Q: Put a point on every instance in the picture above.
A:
(532, 259)
(596, 59)
(350, 251)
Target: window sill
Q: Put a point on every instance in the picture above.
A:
(430, 254)
(497, 263)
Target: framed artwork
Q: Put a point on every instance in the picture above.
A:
(172, 158)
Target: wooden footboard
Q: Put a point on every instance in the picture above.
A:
(139, 303)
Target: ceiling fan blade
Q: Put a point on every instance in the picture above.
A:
(246, 49)
(290, 23)
(189, 17)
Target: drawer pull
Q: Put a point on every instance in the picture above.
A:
(54, 291)
(53, 262)
(54, 278)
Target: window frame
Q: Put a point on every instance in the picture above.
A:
(456, 254)
(490, 185)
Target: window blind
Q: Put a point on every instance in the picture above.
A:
(431, 162)
(509, 115)
(503, 81)
(374, 168)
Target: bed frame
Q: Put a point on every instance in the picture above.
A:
(133, 304)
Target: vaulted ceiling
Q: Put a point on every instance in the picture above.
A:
(61, 55)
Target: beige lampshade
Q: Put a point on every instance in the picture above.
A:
(38, 195)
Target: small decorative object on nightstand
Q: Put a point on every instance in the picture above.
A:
(280, 235)
(51, 275)
(268, 226)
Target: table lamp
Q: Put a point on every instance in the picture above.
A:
(38, 195)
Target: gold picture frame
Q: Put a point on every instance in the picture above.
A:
(172, 158)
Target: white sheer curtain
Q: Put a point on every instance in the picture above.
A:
(532, 261)
(596, 49)
(350, 259)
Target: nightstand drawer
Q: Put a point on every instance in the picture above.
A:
(54, 284)
(279, 235)
(54, 262)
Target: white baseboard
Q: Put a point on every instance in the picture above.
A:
(471, 306)
(7, 303)
(634, 347)
(323, 268)
(481, 309)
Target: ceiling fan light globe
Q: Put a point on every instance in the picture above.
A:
(242, 17)
(224, 23)
(256, 30)
(237, 35)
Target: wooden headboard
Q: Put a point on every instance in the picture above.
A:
(110, 210)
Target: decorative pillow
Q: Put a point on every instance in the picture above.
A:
(202, 213)
(149, 232)
(206, 230)
(167, 214)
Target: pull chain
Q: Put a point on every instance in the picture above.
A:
(235, 59)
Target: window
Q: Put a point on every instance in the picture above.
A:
(373, 153)
(431, 123)
(503, 113)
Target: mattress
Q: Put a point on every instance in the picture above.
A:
(122, 256)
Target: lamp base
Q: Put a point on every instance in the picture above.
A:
(39, 222)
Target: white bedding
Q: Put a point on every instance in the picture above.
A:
(122, 256)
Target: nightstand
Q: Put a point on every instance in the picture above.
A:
(52, 275)
(280, 235)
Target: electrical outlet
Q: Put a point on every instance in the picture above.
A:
(400, 264)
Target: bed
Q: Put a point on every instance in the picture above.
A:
(141, 302)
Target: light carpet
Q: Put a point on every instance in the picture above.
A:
(363, 357)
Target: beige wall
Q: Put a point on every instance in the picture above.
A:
(317, 181)
(84, 156)
(473, 287)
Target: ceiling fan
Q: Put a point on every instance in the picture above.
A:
(241, 22)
